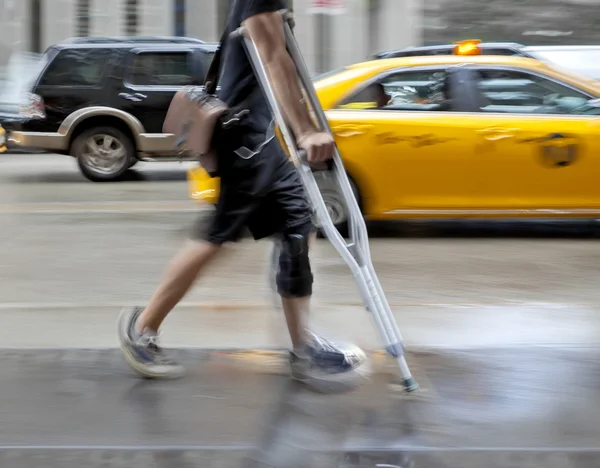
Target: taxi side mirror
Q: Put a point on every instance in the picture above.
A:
(594, 103)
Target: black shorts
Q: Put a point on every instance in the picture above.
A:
(262, 193)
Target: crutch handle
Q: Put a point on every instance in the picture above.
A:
(325, 166)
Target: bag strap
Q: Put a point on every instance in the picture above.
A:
(212, 76)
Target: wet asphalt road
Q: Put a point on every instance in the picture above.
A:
(502, 322)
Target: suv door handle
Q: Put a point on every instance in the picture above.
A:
(497, 133)
(136, 97)
(348, 130)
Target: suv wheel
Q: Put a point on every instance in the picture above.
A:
(103, 153)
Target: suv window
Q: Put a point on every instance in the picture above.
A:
(161, 69)
(206, 59)
(76, 67)
(404, 91)
(509, 91)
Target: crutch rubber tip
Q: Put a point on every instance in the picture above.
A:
(410, 385)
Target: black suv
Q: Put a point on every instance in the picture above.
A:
(104, 100)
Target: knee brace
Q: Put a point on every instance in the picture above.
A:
(294, 278)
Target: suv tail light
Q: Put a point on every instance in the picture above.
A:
(33, 107)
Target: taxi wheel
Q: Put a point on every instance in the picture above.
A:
(336, 206)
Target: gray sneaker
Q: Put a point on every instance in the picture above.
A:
(142, 352)
(330, 368)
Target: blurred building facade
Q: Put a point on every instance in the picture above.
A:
(328, 42)
(367, 26)
(531, 22)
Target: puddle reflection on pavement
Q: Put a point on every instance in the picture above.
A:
(522, 407)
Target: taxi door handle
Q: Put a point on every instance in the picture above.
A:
(348, 130)
(498, 133)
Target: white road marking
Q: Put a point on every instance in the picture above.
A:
(116, 207)
(223, 305)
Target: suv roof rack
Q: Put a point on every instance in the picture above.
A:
(134, 40)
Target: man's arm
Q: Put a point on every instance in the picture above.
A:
(266, 30)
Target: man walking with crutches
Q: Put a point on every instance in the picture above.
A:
(260, 190)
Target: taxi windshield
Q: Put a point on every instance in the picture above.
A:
(322, 76)
(582, 61)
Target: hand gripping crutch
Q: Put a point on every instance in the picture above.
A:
(356, 252)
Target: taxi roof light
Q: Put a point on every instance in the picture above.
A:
(468, 47)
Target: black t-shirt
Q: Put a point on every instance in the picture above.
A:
(237, 78)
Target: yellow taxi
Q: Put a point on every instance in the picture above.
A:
(464, 135)
(2, 140)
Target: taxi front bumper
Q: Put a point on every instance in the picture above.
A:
(202, 187)
(2, 140)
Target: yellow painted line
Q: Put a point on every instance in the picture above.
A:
(269, 358)
(275, 361)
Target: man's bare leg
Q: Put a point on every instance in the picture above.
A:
(315, 361)
(178, 279)
(138, 326)
(296, 312)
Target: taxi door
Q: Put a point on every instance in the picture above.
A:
(406, 162)
(529, 162)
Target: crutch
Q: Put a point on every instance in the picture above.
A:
(356, 252)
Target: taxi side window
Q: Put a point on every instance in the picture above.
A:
(404, 91)
(508, 91)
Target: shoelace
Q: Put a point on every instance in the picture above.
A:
(150, 342)
(329, 346)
